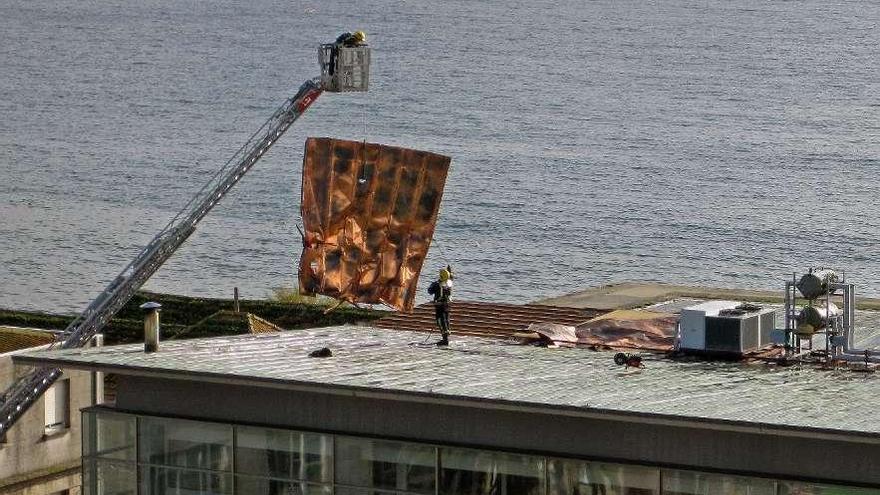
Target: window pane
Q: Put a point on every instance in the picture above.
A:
(361, 491)
(187, 444)
(694, 483)
(280, 454)
(797, 488)
(172, 481)
(587, 478)
(88, 437)
(89, 470)
(109, 435)
(113, 478)
(479, 472)
(390, 465)
(263, 486)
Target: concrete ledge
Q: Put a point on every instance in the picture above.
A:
(44, 478)
(629, 295)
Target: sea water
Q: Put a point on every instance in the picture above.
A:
(722, 143)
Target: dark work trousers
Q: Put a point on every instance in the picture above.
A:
(441, 315)
(334, 55)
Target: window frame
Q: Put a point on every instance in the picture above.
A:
(50, 398)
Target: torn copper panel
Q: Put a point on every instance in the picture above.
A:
(657, 333)
(369, 213)
(644, 330)
(550, 334)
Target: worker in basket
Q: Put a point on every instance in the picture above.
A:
(357, 38)
(441, 289)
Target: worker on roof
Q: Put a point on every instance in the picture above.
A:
(441, 289)
(357, 38)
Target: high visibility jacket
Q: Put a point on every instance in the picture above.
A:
(441, 292)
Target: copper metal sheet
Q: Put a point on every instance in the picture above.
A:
(619, 329)
(369, 213)
(486, 319)
(656, 334)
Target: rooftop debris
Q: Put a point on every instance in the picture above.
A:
(369, 212)
(628, 360)
(550, 334)
(618, 329)
(321, 353)
(630, 329)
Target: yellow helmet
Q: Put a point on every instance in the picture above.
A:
(444, 275)
(360, 36)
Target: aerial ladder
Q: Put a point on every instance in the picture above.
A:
(349, 73)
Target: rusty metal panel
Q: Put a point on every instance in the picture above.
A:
(487, 319)
(369, 213)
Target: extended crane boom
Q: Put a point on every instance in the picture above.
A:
(21, 395)
(350, 73)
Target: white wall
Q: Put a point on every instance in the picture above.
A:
(28, 452)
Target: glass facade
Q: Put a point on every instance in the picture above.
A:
(588, 478)
(393, 466)
(690, 482)
(479, 472)
(128, 454)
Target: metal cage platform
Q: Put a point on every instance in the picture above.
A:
(344, 68)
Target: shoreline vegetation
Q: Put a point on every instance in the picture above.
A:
(194, 317)
(185, 317)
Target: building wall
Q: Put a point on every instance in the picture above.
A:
(769, 452)
(132, 453)
(32, 462)
(65, 482)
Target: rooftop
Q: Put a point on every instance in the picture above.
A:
(14, 338)
(625, 295)
(476, 369)
(487, 319)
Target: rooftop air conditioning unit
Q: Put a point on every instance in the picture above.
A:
(726, 327)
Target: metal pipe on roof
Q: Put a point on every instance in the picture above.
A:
(151, 326)
(850, 353)
(97, 377)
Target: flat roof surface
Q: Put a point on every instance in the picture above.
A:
(481, 369)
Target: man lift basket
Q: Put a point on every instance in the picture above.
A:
(344, 68)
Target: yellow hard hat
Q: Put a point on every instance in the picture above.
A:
(360, 36)
(444, 275)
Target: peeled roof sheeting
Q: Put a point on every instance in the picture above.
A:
(369, 213)
(486, 319)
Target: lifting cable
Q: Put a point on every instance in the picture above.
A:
(443, 254)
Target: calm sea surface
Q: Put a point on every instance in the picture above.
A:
(723, 143)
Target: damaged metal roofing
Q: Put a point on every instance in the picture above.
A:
(369, 213)
(486, 371)
(486, 319)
